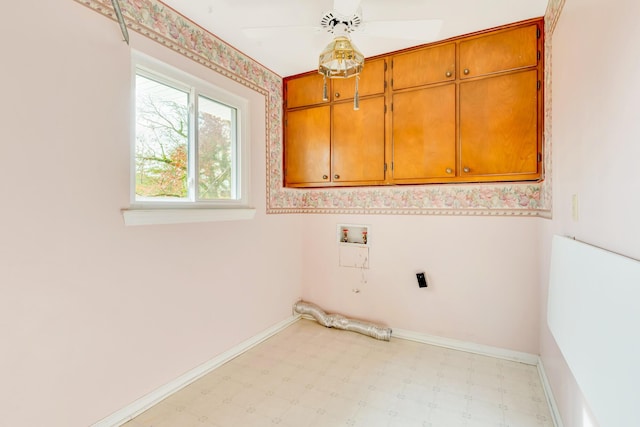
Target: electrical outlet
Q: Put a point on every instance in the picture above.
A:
(422, 280)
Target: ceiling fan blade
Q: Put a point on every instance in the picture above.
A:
(424, 30)
(281, 31)
(346, 7)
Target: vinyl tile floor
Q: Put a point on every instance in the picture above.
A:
(309, 375)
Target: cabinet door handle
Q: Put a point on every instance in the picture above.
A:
(448, 74)
(325, 177)
(336, 176)
(449, 170)
(466, 71)
(466, 170)
(337, 95)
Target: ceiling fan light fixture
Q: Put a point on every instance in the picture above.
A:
(341, 59)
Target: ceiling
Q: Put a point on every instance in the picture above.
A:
(286, 37)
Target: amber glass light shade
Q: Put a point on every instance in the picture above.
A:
(341, 59)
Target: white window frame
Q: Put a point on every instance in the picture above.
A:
(143, 212)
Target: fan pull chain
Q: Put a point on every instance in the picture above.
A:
(325, 92)
(356, 97)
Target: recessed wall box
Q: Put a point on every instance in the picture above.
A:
(353, 234)
(353, 245)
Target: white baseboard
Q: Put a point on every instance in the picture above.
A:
(551, 401)
(486, 350)
(139, 406)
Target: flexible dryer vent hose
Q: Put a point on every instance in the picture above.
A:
(341, 322)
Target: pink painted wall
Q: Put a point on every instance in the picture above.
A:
(596, 129)
(483, 275)
(93, 314)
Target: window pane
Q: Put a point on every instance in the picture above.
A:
(216, 150)
(162, 134)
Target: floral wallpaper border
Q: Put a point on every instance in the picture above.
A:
(159, 22)
(552, 15)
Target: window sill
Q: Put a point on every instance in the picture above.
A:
(184, 216)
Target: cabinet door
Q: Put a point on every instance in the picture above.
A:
(499, 126)
(506, 50)
(305, 90)
(424, 132)
(308, 146)
(371, 82)
(424, 66)
(358, 141)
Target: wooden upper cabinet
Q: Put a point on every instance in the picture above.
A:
(424, 132)
(469, 109)
(358, 141)
(371, 82)
(424, 66)
(499, 126)
(502, 51)
(308, 149)
(305, 90)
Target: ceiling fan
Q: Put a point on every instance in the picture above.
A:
(341, 58)
(353, 13)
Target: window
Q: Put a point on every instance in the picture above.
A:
(189, 148)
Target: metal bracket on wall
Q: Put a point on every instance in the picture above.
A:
(123, 26)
